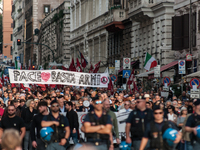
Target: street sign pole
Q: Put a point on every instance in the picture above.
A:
(181, 83)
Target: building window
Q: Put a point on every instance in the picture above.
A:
(11, 37)
(46, 9)
(11, 52)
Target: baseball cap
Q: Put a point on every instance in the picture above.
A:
(197, 102)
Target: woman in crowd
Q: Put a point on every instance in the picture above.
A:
(27, 116)
(171, 115)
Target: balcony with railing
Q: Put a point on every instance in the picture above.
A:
(116, 14)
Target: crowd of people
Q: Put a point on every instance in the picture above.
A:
(30, 110)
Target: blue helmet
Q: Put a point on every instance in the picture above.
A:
(170, 136)
(198, 131)
(124, 146)
(46, 133)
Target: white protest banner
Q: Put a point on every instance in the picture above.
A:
(59, 77)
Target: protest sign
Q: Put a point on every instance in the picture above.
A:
(59, 77)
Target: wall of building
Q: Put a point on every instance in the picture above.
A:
(151, 32)
(55, 33)
(182, 7)
(88, 34)
(7, 29)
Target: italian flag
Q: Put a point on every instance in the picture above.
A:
(149, 62)
(18, 65)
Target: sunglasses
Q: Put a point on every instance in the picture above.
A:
(126, 104)
(169, 108)
(55, 105)
(139, 102)
(98, 102)
(179, 103)
(10, 109)
(158, 113)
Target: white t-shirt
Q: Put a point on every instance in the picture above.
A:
(171, 117)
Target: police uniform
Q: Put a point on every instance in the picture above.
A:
(101, 141)
(138, 120)
(193, 121)
(59, 131)
(154, 132)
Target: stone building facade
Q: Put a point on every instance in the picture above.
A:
(18, 28)
(186, 33)
(88, 34)
(55, 33)
(35, 11)
(151, 32)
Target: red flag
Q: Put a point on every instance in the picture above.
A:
(131, 80)
(135, 87)
(52, 85)
(72, 66)
(96, 69)
(43, 87)
(110, 87)
(83, 60)
(78, 66)
(13, 85)
(64, 68)
(91, 68)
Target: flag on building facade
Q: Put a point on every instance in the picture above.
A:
(18, 65)
(110, 86)
(149, 62)
(83, 60)
(91, 68)
(78, 66)
(72, 66)
(97, 66)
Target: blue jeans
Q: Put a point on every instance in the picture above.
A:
(55, 146)
(188, 145)
(74, 137)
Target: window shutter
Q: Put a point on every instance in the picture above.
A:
(177, 40)
(194, 29)
(186, 31)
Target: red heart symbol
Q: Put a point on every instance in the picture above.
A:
(45, 76)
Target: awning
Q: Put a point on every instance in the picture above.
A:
(163, 68)
(192, 75)
(143, 75)
(133, 62)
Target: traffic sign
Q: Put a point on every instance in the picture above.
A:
(126, 63)
(126, 73)
(194, 93)
(166, 80)
(117, 64)
(113, 77)
(188, 57)
(181, 66)
(17, 58)
(157, 71)
(194, 81)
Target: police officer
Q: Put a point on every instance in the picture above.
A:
(192, 123)
(36, 123)
(97, 126)
(136, 123)
(154, 131)
(59, 124)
